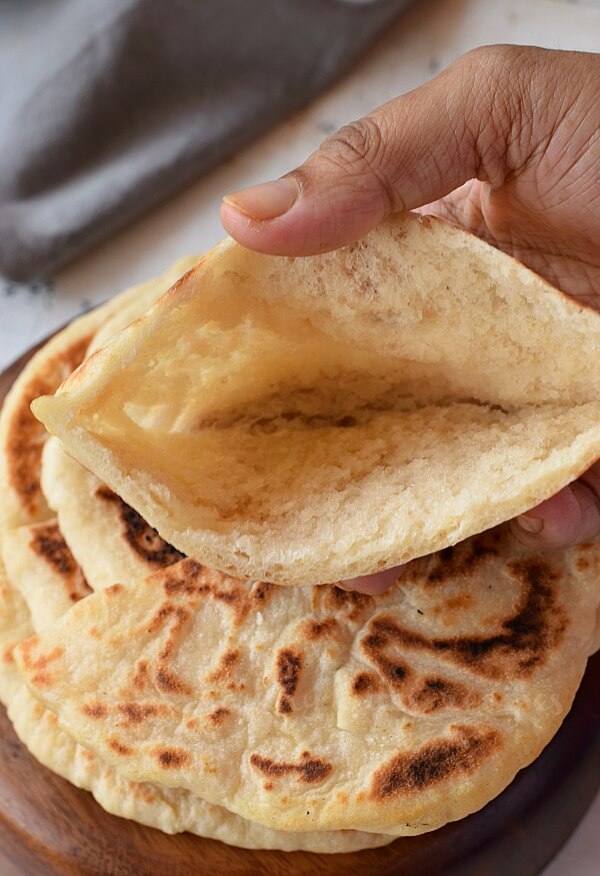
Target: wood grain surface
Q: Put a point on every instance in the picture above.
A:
(49, 828)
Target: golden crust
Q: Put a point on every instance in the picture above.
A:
(414, 708)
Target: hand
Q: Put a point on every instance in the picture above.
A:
(505, 143)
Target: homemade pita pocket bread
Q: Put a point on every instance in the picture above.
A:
(314, 419)
(316, 708)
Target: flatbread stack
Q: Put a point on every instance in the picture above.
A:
(46, 496)
(363, 407)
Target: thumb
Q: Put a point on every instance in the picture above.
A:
(409, 152)
(570, 517)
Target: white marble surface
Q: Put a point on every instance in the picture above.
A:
(425, 39)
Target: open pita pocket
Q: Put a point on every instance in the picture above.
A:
(314, 419)
(316, 708)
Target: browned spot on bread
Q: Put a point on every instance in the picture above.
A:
(226, 669)
(172, 758)
(169, 682)
(43, 660)
(27, 647)
(179, 618)
(261, 591)
(191, 723)
(192, 580)
(141, 675)
(95, 710)
(583, 564)
(41, 679)
(460, 602)
(171, 620)
(395, 673)
(521, 644)
(184, 578)
(315, 629)
(120, 747)
(219, 716)
(94, 632)
(141, 791)
(453, 562)
(25, 436)
(236, 597)
(349, 603)
(309, 769)
(143, 538)
(435, 762)
(364, 683)
(114, 590)
(136, 713)
(289, 665)
(158, 621)
(440, 693)
(268, 786)
(47, 542)
(8, 654)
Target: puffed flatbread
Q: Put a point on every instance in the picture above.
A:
(314, 419)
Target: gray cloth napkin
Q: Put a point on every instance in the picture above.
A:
(109, 106)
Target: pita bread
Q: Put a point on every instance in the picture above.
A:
(317, 708)
(314, 419)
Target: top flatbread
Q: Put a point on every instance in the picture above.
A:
(312, 419)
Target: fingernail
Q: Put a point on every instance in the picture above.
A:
(264, 201)
(533, 525)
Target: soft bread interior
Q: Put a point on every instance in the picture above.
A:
(361, 407)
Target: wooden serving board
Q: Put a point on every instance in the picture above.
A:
(50, 828)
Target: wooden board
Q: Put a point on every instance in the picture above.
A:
(48, 827)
